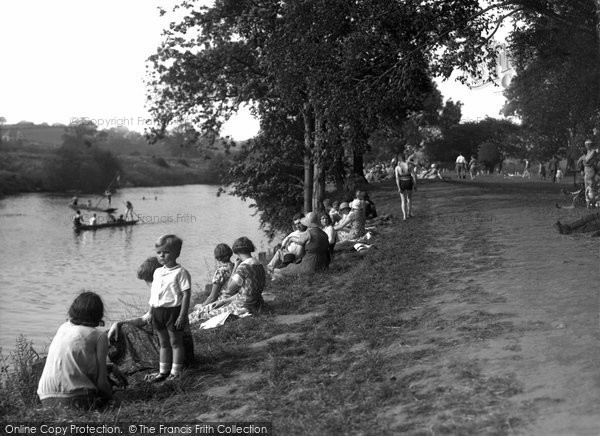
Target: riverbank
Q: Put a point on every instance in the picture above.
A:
(472, 318)
(21, 171)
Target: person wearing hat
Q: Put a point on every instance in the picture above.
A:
(344, 210)
(291, 251)
(352, 226)
(316, 250)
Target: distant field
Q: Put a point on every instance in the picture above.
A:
(46, 135)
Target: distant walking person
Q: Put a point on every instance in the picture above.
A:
(473, 167)
(526, 172)
(542, 171)
(553, 167)
(461, 167)
(129, 210)
(407, 183)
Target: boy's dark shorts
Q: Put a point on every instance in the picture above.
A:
(163, 318)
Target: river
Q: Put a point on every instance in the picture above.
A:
(46, 264)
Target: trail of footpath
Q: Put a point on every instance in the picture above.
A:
(512, 309)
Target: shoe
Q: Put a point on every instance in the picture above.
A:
(157, 377)
(173, 377)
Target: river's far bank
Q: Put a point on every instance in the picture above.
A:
(21, 171)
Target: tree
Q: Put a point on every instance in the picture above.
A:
(556, 91)
(344, 68)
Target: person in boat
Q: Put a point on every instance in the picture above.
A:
(133, 342)
(93, 220)
(89, 203)
(74, 201)
(77, 219)
(76, 373)
(589, 223)
(129, 210)
(121, 219)
(111, 218)
(108, 196)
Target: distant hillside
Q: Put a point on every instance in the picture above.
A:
(37, 134)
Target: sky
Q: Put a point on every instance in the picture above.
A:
(68, 59)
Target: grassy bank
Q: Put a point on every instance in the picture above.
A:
(361, 349)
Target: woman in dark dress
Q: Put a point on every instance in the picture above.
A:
(316, 250)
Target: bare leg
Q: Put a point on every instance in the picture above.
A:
(403, 200)
(409, 203)
(176, 342)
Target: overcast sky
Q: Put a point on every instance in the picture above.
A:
(65, 59)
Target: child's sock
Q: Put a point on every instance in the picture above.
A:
(177, 369)
(164, 368)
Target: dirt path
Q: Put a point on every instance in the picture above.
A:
(513, 306)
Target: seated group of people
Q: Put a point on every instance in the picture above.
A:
(309, 247)
(82, 353)
(76, 370)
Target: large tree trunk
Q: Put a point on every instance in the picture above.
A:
(319, 170)
(598, 22)
(308, 164)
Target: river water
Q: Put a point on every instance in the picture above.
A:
(46, 264)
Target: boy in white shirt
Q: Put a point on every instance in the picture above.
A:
(169, 304)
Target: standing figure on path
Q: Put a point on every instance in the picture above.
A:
(129, 210)
(553, 167)
(526, 172)
(75, 373)
(590, 166)
(542, 171)
(169, 302)
(473, 167)
(461, 166)
(407, 183)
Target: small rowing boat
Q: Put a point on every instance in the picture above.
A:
(93, 208)
(78, 227)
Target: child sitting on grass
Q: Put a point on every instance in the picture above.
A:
(220, 278)
(169, 302)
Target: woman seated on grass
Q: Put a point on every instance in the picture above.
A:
(352, 226)
(75, 373)
(244, 288)
(316, 250)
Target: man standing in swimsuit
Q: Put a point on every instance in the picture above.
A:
(407, 183)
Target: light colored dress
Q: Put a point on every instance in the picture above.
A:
(352, 226)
